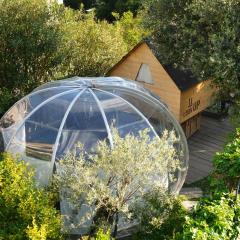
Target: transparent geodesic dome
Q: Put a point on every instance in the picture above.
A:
(46, 124)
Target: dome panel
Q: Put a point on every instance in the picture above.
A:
(23, 107)
(122, 115)
(84, 124)
(36, 137)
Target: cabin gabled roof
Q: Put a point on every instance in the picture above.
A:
(184, 79)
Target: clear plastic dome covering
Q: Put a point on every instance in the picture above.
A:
(46, 124)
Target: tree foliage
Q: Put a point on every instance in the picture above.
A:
(26, 212)
(74, 4)
(30, 37)
(202, 35)
(92, 47)
(161, 217)
(104, 8)
(131, 28)
(114, 180)
(29, 40)
(42, 41)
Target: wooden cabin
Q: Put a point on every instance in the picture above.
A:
(185, 96)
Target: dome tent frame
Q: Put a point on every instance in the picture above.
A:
(93, 87)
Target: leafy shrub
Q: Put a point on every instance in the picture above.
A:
(160, 217)
(26, 212)
(213, 219)
(226, 164)
(103, 235)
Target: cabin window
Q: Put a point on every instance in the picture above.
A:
(144, 74)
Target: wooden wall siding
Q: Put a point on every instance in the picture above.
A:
(163, 85)
(191, 125)
(196, 99)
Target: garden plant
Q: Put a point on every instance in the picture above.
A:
(115, 181)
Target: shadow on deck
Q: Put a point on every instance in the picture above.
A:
(204, 144)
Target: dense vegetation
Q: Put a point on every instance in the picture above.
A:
(202, 35)
(41, 40)
(105, 8)
(56, 42)
(216, 216)
(212, 219)
(26, 212)
(227, 163)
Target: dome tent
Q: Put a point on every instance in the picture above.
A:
(46, 124)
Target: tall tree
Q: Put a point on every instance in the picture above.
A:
(30, 38)
(74, 4)
(105, 8)
(202, 35)
(92, 46)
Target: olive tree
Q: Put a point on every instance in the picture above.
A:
(114, 180)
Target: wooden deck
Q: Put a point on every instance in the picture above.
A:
(204, 144)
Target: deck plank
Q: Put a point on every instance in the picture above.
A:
(204, 144)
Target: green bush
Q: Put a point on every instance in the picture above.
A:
(226, 164)
(111, 186)
(26, 212)
(213, 219)
(160, 217)
(103, 235)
